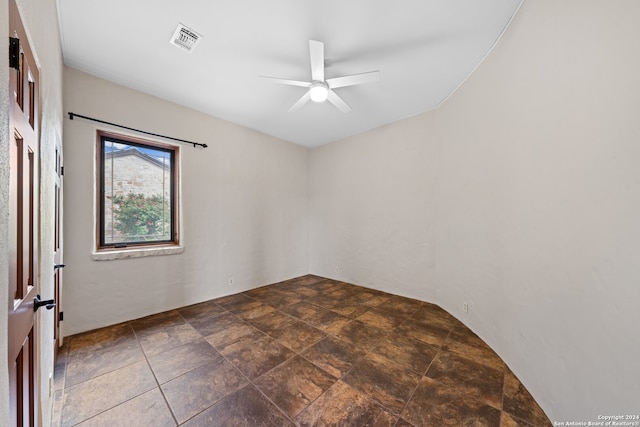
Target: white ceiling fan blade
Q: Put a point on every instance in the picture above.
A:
(286, 81)
(355, 79)
(316, 50)
(333, 98)
(298, 105)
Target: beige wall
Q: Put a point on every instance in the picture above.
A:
(372, 209)
(245, 213)
(535, 209)
(40, 20)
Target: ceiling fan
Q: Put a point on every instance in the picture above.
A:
(321, 90)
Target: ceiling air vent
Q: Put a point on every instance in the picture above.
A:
(185, 38)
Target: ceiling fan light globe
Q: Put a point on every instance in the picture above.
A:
(318, 92)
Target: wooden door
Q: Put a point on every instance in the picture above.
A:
(23, 220)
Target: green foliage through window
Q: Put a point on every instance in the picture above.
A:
(141, 218)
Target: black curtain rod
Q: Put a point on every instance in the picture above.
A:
(72, 115)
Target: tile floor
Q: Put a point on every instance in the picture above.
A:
(307, 352)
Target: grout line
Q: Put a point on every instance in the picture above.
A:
(425, 372)
(146, 358)
(249, 381)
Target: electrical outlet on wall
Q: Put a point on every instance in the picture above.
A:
(337, 269)
(230, 281)
(465, 307)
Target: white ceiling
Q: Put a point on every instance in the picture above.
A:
(424, 50)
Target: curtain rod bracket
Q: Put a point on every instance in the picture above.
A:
(72, 115)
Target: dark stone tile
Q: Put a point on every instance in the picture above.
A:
(304, 310)
(344, 406)
(382, 319)
(298, 335)
(468, 378)
(463, 385)
(426, 333)
(56, 411)
(200, 388)
(519, 402)
(324, 286)
(307, 280)
(290, 288)
(322, 300)
(436, 405)
(272, 322)
(253, 310)
(179, 360)
(334, 355)
(169, 337)
(479, 354)
(464, 335)
(260, 293)
(83, 365)
(370, 297)
(377, 300)
(243, 308)
(207, 325)
(234, 333)
(217, 324)
(294, 384)
(304, 292)
(89, 398)
(289, 285)
(59, 374)
(231, 301)
(282, 301)
(361, 335)
(432, 315)
(511, 421)
(63, 352)
(203, 310)
(244, 408)
(398, 304)
(341, 292)
(148, 409)
(388, 383)
(319, 317)
(406, 351)
(349, 309)
(268, 292)
(254, 356)
(157, 322)
(98, 339)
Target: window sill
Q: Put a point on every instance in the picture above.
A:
(110, 255)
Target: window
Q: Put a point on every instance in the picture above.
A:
(137, 195)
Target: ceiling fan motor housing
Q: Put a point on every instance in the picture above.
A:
(318, 91)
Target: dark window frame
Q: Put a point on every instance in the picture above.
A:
(174, 152)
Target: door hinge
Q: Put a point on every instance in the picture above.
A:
(14, 52)
(61, 316)
(61, 170)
